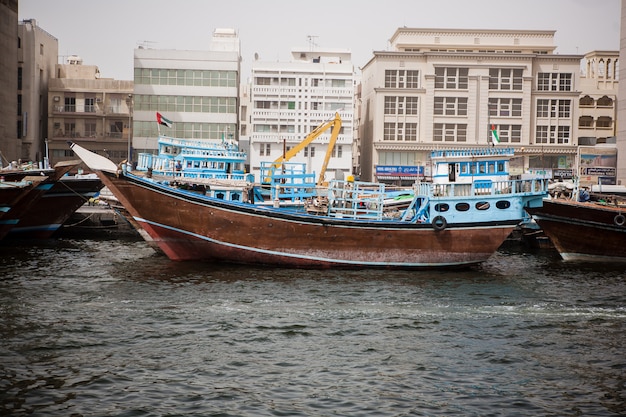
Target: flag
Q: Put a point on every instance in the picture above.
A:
(494, 135)
(163, 121)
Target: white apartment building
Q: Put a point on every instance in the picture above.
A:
(197, 90)
(288, 100)
(447, 88)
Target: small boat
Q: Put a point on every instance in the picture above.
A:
(55, 206)
(442, 225)
(41, 184)
(589, 231)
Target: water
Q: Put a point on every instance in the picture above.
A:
(109, 328)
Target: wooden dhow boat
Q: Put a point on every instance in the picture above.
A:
(350, 225)
(590, 231)
(15, 210)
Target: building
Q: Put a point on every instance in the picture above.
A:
(89, 110)
(197, 90)
(597, 121)
(621, 106)
(10, 145)
(290, 99)
(450, 88)
(37, 56)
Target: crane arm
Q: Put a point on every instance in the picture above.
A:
(335, 123)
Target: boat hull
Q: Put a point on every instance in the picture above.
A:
(190, 227)
(583, 231)
(54, 207)
(20, 209)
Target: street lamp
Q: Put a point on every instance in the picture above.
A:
(129, 102)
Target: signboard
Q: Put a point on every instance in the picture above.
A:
(597, 163)
(400, 170)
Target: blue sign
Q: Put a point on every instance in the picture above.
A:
(400, 170)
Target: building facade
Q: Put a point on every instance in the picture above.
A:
(197, 90)
(89, 110)
(37, 57)
(10, 148)
(451, 88)
(289, 100)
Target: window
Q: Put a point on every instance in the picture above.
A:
(563, 135)
(564, 108)
(90, 105)
(410, 132)
(507, 133)
(505, 107)
(19, 78)
(90, 129)
(541, 135)
(265, 149)
(390, 105)
(505, 79)
(604, 121)
(401, 105)
(337, 151)
(547, 81)
(585, 121)
(605, 101)
(70, 104)
(411, 106)
(401, 79)
(449, 132)
(451, 78)
(450, 106)
(552, 108)
(586, 101)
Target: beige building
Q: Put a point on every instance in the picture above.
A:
(10, 148)
(621, 107)
(91, 111)
(36, 57)
(447, 88)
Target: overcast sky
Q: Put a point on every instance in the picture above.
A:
(105, 32)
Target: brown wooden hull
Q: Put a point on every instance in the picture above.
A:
(583, 231)
(55, 206)
(188, 227)
(18, 210)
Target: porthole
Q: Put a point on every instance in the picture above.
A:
(442, 207)
(482, 205)
(503, 204)
(462, 206)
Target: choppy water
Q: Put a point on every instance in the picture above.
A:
(109, 328)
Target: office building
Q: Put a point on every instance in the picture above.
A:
(197, 90)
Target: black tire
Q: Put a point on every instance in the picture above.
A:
(619, 220)
(439, 223)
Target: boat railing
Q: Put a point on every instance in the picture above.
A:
(292, 186)
(472, 152)
(348, 199)
(485, 187)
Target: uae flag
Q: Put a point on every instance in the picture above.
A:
(163, 121)
(494, 135)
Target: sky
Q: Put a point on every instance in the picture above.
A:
(105, 33)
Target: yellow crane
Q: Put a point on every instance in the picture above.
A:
(286, 156)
